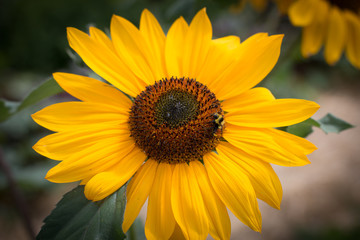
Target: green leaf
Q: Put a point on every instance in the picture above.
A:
(45, 90)
(304, 128)
(76, 218)
(330, 123)
(136, 231)
(5, 111)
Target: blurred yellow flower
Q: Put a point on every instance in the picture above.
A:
(334, 24)
(196, 137)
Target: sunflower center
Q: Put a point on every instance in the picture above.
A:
(352, 5)
(176, 120)
(175, 108)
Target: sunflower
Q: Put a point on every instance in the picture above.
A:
(181, 119)
(334, 24)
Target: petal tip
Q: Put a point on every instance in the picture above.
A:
(125, 226)
(278, 38)
(145, 11)
(59, 76)
(56, 75)
(50, 176)
(37, 148)
(257, 226)
(314, 106)
(145, 14)
(90, 194)
(281, 36)
(317, 106)
(201, 13)
(35, 117)
(71, 30)
(47, 176)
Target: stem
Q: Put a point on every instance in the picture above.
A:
(20, 203)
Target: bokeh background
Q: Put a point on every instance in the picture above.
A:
(321, 200)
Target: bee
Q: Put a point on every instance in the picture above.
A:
(219, 124)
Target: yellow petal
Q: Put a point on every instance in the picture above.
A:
(298, 144)
(252, 96)
(105, 183)
(155, 39)
(59, 146)
(138, 191)
(104, 61)
(219, 221)
(129, 44)
(257, 57)
(353, 39)
(174, 45)
(313, 35)
(263, 145)
(85, 181)
(336, 36)
(276, 113)
(229, 51)
(187, 202)
(79, 115)
(160, 222)
(302, 12)
(234, 189)
(229, 42)
(197, 43)
(91, 90)
(100, 37)
(222, 48)
(101, 156)
(266, 184)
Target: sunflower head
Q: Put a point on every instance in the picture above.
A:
(176, 120)
(196, 136)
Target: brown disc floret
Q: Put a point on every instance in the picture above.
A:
(176, 120)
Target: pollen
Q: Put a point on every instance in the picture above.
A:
(176, 120)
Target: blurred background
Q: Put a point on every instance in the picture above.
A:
(321, 200)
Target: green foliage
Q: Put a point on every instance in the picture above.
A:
(328, 123)
(4, 110)
(304, 128)
(45, 90)
(136, 231)
(75, 217)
